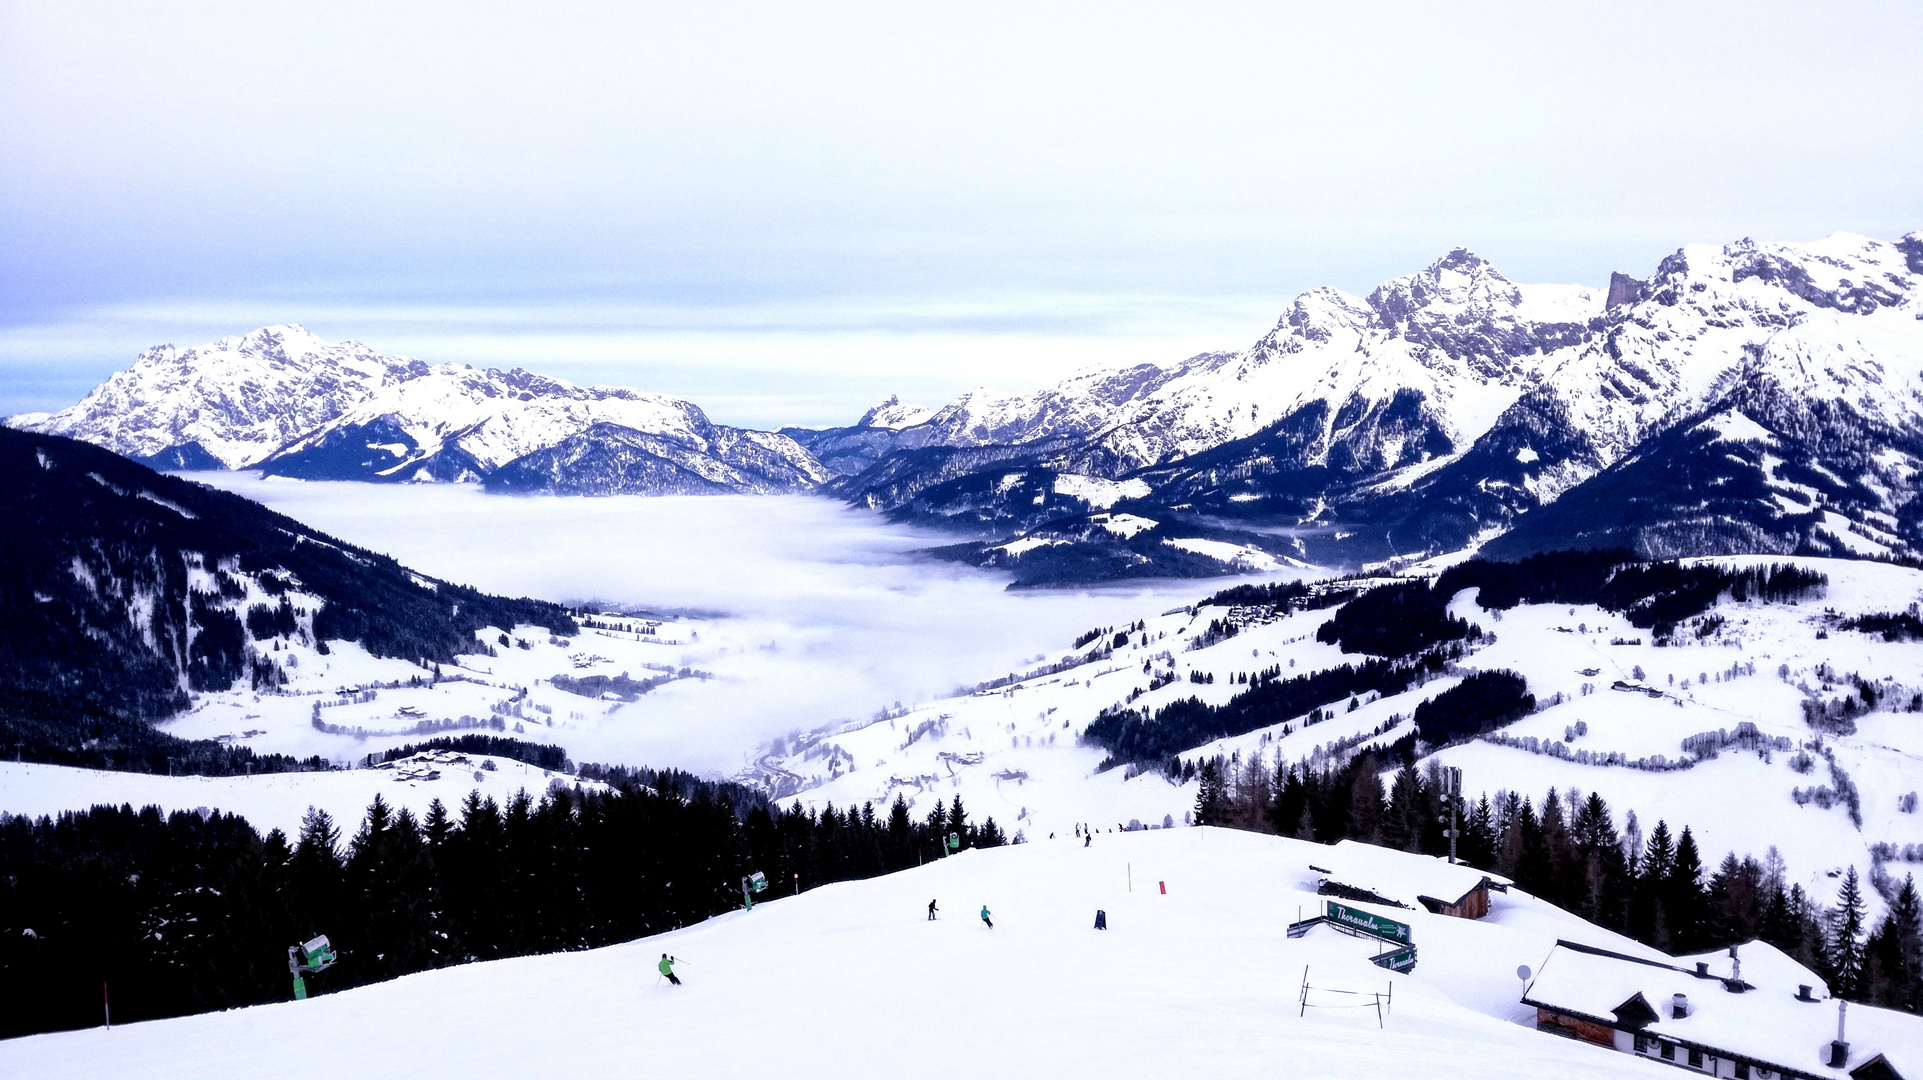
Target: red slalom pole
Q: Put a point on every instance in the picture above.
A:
(1164, 886)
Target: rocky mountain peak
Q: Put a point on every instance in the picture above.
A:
(893, 415)
(1460, 284)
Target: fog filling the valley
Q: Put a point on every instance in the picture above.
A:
(816, 611)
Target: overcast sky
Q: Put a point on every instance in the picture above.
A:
(786, 211)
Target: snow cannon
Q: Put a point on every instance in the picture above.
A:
(751, 885)
(954, 841)
(314, 954)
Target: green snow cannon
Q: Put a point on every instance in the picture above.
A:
(751, 885)
(315, 954)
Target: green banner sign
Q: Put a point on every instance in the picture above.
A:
(1370, 923)
(1401, 960)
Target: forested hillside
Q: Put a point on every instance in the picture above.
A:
(123, 591)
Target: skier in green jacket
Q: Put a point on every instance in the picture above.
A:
(985, 919)
(667, 968)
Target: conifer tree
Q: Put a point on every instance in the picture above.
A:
(1683, 900)
(901, 830)
(1556, 882)
(1210, 797)
(1846, 939)
(1648, 921)
(1599, 852)
(1365, 802)
(1895, 952)
(1402, 826)
(1477, 845)
(1288, 801)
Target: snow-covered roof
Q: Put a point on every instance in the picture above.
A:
(1402, 876)
(1762, 964)
(1764, 1023)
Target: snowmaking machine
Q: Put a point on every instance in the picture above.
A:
(315, 954)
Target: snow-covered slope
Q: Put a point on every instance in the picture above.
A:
(851, 980)
(1013, 749)
(281, 400)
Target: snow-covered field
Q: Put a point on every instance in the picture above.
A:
(851, 980)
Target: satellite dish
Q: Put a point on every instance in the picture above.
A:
(1522, 972)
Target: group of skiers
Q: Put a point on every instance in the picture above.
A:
(1087, 834)
(668, 963)
(986, 921)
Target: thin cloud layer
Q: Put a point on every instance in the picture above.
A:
(816, 612)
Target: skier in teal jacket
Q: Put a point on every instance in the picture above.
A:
(985, 918)
(667, 968)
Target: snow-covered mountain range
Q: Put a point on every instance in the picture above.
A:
(1439, 412)
(1443, 407)
(285, 402)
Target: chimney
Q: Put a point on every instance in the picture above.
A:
(1702, 969)
(1840, 1050)
(1735, 965)
(1679, 1006)
(1802, 992)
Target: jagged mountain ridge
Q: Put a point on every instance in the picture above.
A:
(281, 400)
(1435, 413)
(232, 402)
(1458, 335)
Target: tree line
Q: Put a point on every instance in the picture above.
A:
(1155, 737)
(1567, 849)
(183, 912)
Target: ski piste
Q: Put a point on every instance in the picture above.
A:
(1049, 995)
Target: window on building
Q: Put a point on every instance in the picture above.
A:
(1742, 1070)
(1642, 1044)
(1695, 1058)
(1669, 1051)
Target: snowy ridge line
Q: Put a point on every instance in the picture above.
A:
(1448, 404)
(318, 410)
